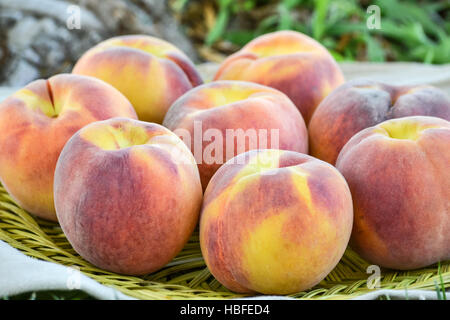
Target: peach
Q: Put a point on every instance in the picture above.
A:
(360, 104)
(127, 195)
(398, 173)
(274, 222)
(236, 116)
(150, 72)
(36, 122)
(289, 61)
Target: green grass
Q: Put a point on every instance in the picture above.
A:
(410, 30)
(440, 288)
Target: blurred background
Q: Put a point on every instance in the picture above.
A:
(39, 38)
(409, 30)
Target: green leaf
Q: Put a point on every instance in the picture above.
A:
(441, 280)
(318, 21)
(285, 22)
(375, 52)
(337, 56)
(221, 23)
(239, 37)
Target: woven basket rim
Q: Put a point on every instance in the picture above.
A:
(186, 276)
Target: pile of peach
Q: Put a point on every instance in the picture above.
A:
(231, 156)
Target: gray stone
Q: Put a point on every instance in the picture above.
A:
(23, 73)
(38, 38)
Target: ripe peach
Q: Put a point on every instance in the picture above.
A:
(150, 72)
(127, 195)
(360, 104)
(274, 222)
(236, 116)
(398, 173)
(36, 122)
(289, 61)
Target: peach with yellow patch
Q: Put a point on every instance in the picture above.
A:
(274, 222)
(127, 195)
(150, 72)
(225, 118)
(289, 61)
(360, 104)
(36, 122)
(398, 173)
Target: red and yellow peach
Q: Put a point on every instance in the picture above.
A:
(127, 195)
(224, 118)
(398, 173)
(150, 72)
(289, 61)
(274, 222)
(36, 122)
(360, 104)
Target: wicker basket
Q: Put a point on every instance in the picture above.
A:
(187, 277)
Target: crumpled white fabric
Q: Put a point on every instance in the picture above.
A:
(20, 273)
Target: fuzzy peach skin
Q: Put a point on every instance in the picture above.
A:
(36, 122)
(274, 222)
(239, 106)
(360, 104)
(127, 195)
(289, 61)
(398, 173)
(150, 72)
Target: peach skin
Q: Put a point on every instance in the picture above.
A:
(274, 222)
(398, 173)
(360, 104)
(36, 122)
(221, 119)
(127, 195)
(150, 72)
(289, 61)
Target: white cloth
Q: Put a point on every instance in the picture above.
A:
(20, 273)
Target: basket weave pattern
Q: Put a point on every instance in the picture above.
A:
(186, 276)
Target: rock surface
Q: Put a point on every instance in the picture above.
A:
(39, 38)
